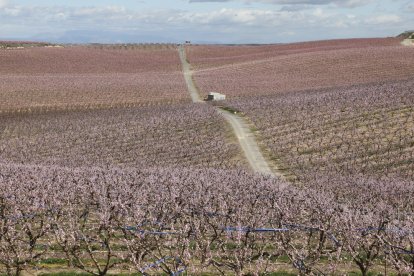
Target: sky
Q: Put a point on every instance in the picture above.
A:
(202, 21)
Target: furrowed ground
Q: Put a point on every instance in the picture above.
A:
(243, 71)
(42, 78)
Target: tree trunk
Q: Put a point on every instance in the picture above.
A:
(364, 270)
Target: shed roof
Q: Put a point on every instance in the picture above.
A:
(215, 94)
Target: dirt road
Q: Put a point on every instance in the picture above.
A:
(188, 75)
(241, 129)
(247, 142)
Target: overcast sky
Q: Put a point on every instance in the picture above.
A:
(210, 21)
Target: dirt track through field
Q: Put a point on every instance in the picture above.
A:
(188, 75)
(240, 127)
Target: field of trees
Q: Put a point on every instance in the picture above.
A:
(107, 168)
(156, 136)
(365, 129)
(201, 222)
(73, 77)
(268, 70)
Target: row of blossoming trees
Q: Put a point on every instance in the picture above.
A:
(246, 71)
(39, 79)
(158, 136)
(193, 221)
(161, 189)
(362, 128)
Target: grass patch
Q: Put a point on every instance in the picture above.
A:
(65, 274)
(73, 273)
(359, 274)
(53, 261)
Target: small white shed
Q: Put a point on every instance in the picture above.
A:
(214, 96)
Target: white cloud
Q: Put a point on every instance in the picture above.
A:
(250, 24)
(409, 7)
(320, 13)
(353, 3)
(106, 10)
(12, 11)
(3, 3)
(383, 19)
(234, 17)
(343, 3)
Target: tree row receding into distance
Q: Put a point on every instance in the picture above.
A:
(170, 136)
(365, 129)
(245, 71)
(106, 168)
(85, 77)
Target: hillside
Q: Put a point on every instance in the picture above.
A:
(23, 44)
(269, 70)
(112, 164)
(361, 129)
(41, 78)
(156, 136)
(406, 35)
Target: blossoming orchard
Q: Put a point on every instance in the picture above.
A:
(107, 167)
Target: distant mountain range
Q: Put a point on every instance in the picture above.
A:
(114, 37)
(87, 36)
